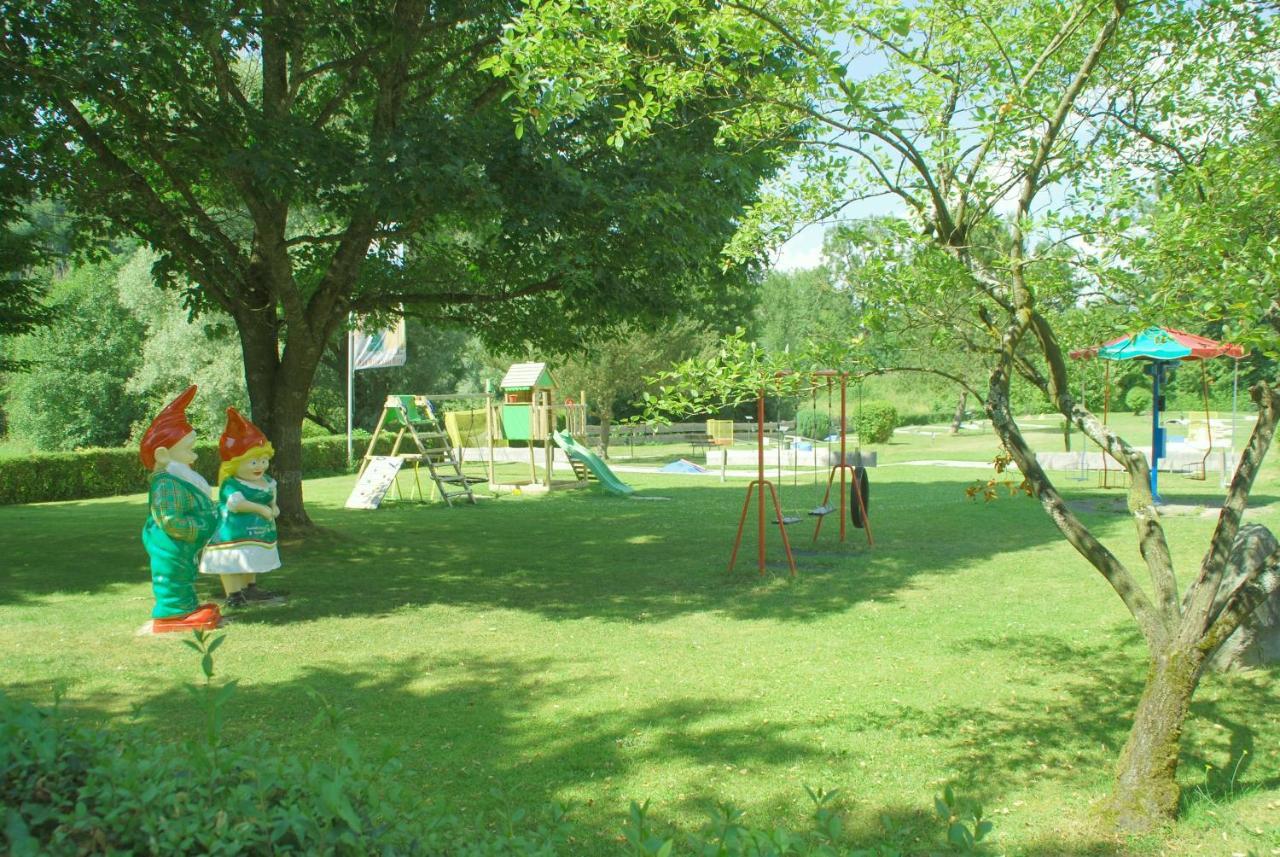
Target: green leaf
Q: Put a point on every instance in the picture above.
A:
(959, 834)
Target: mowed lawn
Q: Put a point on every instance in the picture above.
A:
(592, 649)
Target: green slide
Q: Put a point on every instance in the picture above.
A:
(607, 477)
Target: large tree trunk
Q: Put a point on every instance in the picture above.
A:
(284, 427)
(1146, 791)
(278, 387)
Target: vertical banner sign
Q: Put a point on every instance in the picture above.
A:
(374, 349)
(371, 350)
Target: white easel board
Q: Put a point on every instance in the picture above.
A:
(374, 482)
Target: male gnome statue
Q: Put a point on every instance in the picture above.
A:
(183, 518)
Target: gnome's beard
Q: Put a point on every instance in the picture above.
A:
(186, 474)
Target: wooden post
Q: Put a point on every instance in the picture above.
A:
(373, 441)
(490, 423)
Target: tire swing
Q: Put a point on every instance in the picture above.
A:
(860, 487)
(859, 497)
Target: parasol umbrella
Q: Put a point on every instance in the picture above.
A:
(1163, 347)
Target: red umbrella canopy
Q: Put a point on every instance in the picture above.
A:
(1160, 343)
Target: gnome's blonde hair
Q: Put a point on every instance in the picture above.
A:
(231, 465)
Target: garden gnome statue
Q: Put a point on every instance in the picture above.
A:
(182, 520)
(244, 545)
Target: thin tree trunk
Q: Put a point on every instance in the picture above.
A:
(606, 428)
(958, 418)
(1146, 792)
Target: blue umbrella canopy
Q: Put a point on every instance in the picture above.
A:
(1160, 343)
(1162, 346)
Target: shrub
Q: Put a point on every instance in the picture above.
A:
(75, 790)
(46, 476)
(813, 423)
(875, 422)
(1137, 400)
(68, 789)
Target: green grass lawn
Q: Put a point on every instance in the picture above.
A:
(591, 649)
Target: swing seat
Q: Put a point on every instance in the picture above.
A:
(1195, 471)
(788, 520)
(821, 511)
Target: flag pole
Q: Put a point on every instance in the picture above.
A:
(351, 388)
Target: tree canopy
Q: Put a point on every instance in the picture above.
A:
(294, 164)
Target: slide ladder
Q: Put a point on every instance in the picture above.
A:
(417, 419)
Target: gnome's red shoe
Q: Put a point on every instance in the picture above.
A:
(206, 617)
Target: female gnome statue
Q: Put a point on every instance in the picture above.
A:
(244, 545)
(182, 519)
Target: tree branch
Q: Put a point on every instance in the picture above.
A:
(384, 300)
(1086, 544)
(1203, 593)
(1252, 591)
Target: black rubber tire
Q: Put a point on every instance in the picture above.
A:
(862, 485)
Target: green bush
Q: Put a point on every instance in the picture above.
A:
(1137, 400)
(46, 476)
(72, 790)
(813, 423)
(875, 422)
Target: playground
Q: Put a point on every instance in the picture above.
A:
(583, 647)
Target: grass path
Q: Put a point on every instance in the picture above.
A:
(591, 649)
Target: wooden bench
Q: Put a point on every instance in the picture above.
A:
(700, 441)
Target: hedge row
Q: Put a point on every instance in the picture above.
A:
(45, 476)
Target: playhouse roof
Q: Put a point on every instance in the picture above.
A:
(1160, 343)
(526, 376)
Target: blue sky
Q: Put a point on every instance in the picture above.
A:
(804, 250)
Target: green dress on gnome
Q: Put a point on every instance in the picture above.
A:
(245, 542)
(181, 523)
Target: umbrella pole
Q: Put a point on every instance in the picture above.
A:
(1235, 394)
(1157, 375)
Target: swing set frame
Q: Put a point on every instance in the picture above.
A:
(758, 485)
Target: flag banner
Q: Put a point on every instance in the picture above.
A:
(374, 349)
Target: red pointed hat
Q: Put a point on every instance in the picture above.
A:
(169, 427)
(239, 436)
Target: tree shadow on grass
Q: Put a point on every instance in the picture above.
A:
(467, 728)
(1081, 722)
(463, 724)
(575, 554)
(70, 548)
(582, 554)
